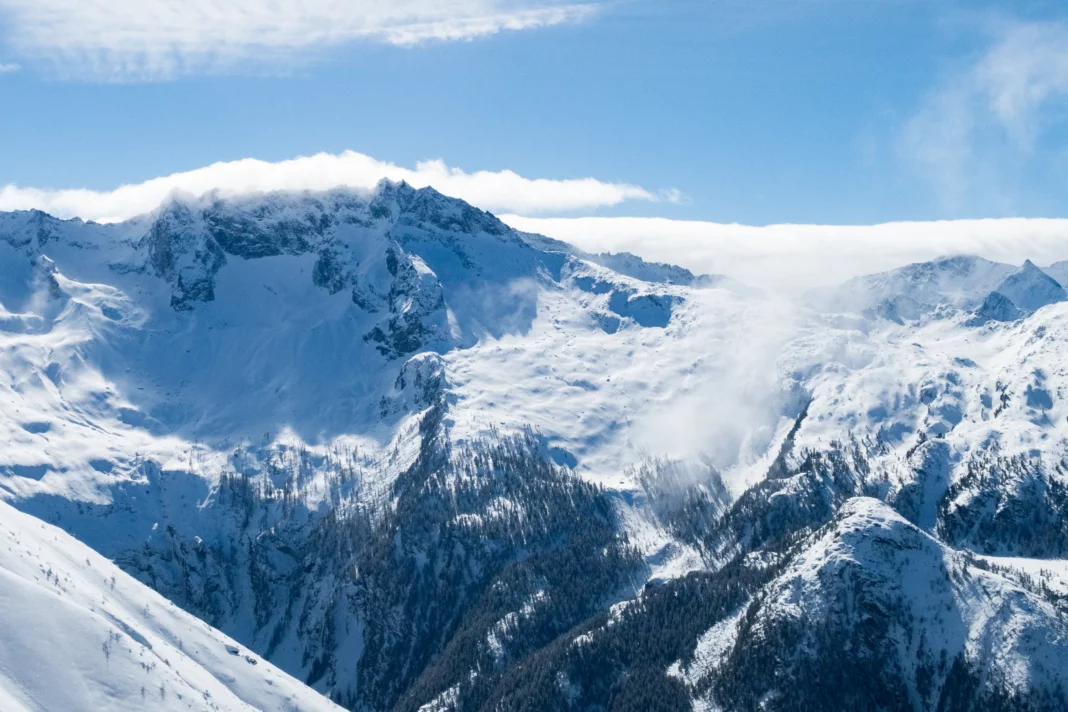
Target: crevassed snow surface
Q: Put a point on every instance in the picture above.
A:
(79, 634)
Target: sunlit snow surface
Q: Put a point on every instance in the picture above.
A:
(960, 609)
(106, 386)
(101, 373)
(81, 635)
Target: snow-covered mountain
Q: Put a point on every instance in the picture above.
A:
(867, 612)
(995, 291)
(1059, 272)
(1030, 289)
(80, 634)
(419, 460)
(921, 625)
(914, 289)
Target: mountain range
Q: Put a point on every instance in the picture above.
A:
(382, 446)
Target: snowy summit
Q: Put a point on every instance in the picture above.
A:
(382, 444)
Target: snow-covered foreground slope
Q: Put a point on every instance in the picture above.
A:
(77, 633)
(401, 450)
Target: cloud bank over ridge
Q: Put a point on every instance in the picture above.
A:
(796, 257)
(503, 191)
(776, 257)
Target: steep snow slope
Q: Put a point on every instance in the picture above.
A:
(1059, 272)
(79, 634)
(938, 378)
(196, 394)
(963, 428)
(867, 612)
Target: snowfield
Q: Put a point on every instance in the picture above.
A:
(80, 634)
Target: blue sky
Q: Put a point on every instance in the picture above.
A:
(758, 112)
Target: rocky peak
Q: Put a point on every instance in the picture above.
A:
(427, 207)
(386, 248)
(996, 307)
(24, 228)
(1030, 288)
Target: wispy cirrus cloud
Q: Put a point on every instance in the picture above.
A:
(163, 39)
(9, 68)
(491, 190)
(982, 124)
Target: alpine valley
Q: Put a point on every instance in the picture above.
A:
(385, 447)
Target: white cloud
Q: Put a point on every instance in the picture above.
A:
(778, 257)
(161, 39)
(1022, 73)
(9, 68)
(796, 257)
(983, 122)
(496, 191)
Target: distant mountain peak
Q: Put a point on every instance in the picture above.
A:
(996, 307)
(1030, 289)
(959, 281)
